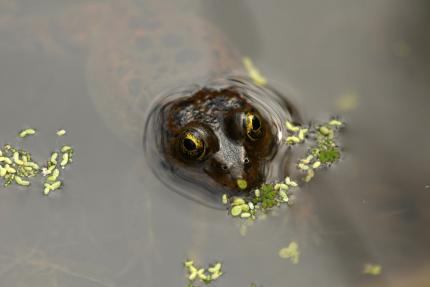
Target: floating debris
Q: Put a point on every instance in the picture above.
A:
(290, 252)
(206, 276)
(372, 269)
(253, 72)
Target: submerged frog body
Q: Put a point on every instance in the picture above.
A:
(219, 138)
(134, 51)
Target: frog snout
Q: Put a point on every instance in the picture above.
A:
(235, 171)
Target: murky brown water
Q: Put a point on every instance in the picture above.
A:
(114, 224)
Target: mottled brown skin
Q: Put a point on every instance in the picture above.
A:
(139, 52)
(230, 154)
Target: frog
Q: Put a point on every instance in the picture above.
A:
(222, 137)
(217, 134)
(140, 82)
(137, 54)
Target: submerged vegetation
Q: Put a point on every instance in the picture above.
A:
(372, 269)
(253, 72)
(17, 165)
(290, 252)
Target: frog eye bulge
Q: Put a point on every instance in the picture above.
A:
(253, 125)
(191, 144)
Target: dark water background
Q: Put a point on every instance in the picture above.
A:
(114, 224)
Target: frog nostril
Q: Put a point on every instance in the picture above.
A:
(224, 167)
(246, 160)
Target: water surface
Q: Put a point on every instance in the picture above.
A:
(114, 224)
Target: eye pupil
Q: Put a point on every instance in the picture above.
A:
(255, 123)
(189, 144)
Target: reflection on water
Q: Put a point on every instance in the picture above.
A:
(93, 67)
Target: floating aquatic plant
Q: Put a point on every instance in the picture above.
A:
(205, 275)
(17, 165)
(323, 152)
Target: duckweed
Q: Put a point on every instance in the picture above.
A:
(324, 150)
(316, 164)
(205, 275)
(259, 201)
(54, 157)
(293, 140)
(17, 165)
(61, 133)
(372, 269)
(329, 155)
(242, 184)
(224, 199)
(298, 134)
(26, 132)
(309, 175)
(65, 160)
(290, 252)
(66, 148)
(21, 181)
(253, 72)
(236, 210)
(292, 127)
(54, 175)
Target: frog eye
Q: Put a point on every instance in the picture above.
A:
(192, 145)
(253, 125)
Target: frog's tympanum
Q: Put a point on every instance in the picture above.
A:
(213, 136)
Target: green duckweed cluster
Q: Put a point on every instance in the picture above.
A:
(203, 275)
(17, 165)
(260, 200)
(324, 150)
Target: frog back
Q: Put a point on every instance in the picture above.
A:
(141, 51)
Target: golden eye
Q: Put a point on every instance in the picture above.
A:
(192, 145)
(254, 129)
